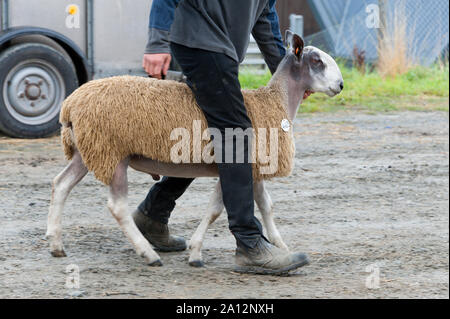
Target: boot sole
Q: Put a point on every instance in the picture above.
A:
(266, 271)
(166, 249)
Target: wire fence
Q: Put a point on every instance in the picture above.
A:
(349, 24)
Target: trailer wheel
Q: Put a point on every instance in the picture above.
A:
(34, 81)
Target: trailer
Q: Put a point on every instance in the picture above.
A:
(50, 47)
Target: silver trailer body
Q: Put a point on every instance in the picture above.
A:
(116, 34)
(93, 38)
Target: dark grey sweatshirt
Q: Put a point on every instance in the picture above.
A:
(222, 26)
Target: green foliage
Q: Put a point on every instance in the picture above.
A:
(253, 80)
(419, 89)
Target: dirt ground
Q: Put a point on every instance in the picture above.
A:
(368, 193)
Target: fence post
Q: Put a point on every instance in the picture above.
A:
(296, 24)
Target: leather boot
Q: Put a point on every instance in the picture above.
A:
(158, 233)
(267, 259)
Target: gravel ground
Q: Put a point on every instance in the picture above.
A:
(368, 193)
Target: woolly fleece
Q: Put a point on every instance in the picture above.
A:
(108, 120)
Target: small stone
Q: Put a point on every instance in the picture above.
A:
(77, 293)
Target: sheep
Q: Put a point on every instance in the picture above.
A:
(148, 105)
(111, 124)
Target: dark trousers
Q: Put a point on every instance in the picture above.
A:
(213, 78)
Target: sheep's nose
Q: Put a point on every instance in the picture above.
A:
(341, 85)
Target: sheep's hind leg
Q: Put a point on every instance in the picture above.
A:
(215, 208)
(118, 205)
(62, 185)
(264, 202)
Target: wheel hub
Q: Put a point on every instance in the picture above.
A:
(34, 91)
(28, 91)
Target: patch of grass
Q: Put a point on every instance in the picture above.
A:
(253, 80)
(420, 89)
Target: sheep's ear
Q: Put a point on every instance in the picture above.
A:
(297, 45)
(288, 39)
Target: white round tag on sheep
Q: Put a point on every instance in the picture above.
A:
(285, 125)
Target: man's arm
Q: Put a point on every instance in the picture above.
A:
(157, 51)
(161, 19)
(268, 36)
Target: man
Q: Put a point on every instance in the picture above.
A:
(208, 39)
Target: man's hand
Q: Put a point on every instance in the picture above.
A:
(156, 64)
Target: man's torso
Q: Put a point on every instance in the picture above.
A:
(220, 26)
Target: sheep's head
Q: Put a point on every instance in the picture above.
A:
(313, 68)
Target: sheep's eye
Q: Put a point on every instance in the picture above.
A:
(317, 61)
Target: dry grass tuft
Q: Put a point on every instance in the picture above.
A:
(395, 44)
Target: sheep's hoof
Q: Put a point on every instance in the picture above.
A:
(196, 263)
(58, 253)
(156, 177)
(156, 263)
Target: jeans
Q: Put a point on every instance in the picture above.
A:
(213, 78)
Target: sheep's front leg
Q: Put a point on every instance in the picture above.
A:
(215, 208)
(62, 185)
(264, 202)
(118, 205)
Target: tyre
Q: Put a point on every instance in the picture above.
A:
(34, 81)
